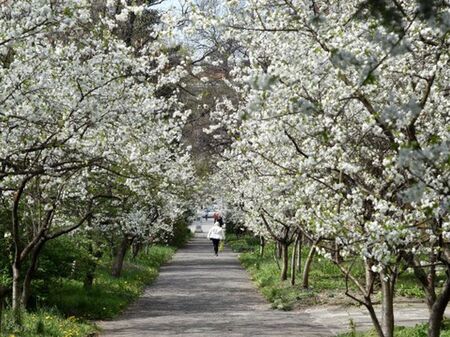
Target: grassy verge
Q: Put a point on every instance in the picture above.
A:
(326, 282)
(47, 323)
(72, 306)
(109, 295)
(419, 330)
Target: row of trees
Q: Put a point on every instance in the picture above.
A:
(341, 134)
(90, 130)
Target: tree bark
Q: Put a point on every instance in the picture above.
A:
(438, 309)
(136, 248)
(374, 318)
(370, 275)
(387, 304)
(307, 267)
(279, 250)
(120, 256)
(337, 253)
(285, 261)
(436, 303)
(88, 281)
(299, 252)
(17, 261)
(16, 285)
(16, 268)
(420, 274)
(294, 259)
(431, 279)
(262, 245)
(275, 257)
(26, 287)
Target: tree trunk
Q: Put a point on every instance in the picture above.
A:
(279, 250)
(275, 257)
(294, 259)
(420, 274)
(120, 256)
(17, 262)
(438, 309)
(307, 268)
(16, 285)
(26, 287)
(136, 249)
(299, 252)
(285, 261)
(431, 279)
(16, 292)
(387, 304)
(436, 303)
(369, 277)
(374, 318)
(262, 245)
(337, 253)
(88, 281)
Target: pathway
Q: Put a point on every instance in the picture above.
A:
(198, 294)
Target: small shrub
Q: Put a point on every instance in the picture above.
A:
(181, 233)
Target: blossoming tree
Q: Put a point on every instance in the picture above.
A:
(78, 103)
(351, 108)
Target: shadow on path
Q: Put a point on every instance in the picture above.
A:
(199, 294)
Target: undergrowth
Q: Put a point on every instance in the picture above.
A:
(68, 306)
(326, 282)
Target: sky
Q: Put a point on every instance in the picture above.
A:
(167, 4)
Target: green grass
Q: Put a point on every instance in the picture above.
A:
(108, 296)
(327, 285)
(72, 305)
(419, 330)
(407, 286)
(46, 323)
(325, 277)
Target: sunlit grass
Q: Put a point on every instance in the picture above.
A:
(109, 295)
(326, 282)
(46, 323)
(72, 306)
(420, 330)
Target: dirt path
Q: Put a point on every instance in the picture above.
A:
(198, 294)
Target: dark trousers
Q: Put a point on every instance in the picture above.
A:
(216, 245)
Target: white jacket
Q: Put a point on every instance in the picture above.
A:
(216, 232)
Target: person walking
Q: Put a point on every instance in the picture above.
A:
(216, 233)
